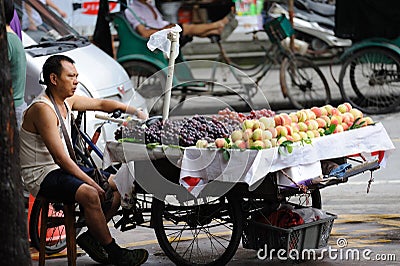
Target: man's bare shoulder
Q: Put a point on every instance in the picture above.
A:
(38, 114)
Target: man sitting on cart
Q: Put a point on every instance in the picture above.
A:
(146, 19)
(48, 170)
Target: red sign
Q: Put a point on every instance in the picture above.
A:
(91, 8)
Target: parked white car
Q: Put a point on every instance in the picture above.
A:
(100, 76)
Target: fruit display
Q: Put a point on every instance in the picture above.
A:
(302, 125)
(188, 131)
(185, 132)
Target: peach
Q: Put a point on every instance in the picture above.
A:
(302, 126)
(267, 121)
(285, 119)
(302, 115)
(295, 127)
(294, 117)
(220, 143)
(249, 143)
(248, 124)
(256, 124)
(303, 135)
(296, 136)
(317, 111)
(258, 144)
(257, 134)
(267, 143)
(289, 137)
(345, 126)
(201, 143)
(237, 135)
(281, 140)
(311, 124)
(247, 134)
(274, 142)
(348, 106)
(338, 129)
(368, 120)
(310, 134)
(328, 109)
(240, 144)
(316, 133)
(321, 122)
(310, 115)
(348, 118)
(335, 111)
(327, 120)
(267, 134)
(273, 131)
(356, 113)
(289, 130)
(278, 121)
(342, 108)
(282, 131)
(336, 120)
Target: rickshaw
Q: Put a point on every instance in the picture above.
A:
(369, 77)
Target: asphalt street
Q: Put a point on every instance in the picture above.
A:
(367, 223)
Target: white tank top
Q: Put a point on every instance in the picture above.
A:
(36, 160)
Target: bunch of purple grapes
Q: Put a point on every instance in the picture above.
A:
(184, 132)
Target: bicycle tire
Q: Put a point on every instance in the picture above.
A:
(303, 83)
(149, 82)
(183, 230)
(55, 238)
(373, 74)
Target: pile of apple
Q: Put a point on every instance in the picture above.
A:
(305, 124)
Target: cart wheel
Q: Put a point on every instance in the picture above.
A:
(55, 236)
(205, 234)
(373, 74)
(311, 199)
(149, 82)
(303, 83)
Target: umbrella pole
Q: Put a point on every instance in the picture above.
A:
(173, 37)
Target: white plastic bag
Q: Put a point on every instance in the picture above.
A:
(160, 40)
(125, 181)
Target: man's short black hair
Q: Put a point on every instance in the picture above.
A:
(9, 10)
(53, 65)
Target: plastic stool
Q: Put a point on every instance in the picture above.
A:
(70, 232)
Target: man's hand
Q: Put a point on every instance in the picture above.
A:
(100, 191)
(140, 114)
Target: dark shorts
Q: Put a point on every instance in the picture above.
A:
(60, 185)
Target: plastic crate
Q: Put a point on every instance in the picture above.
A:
(311, 235)
(278, 29)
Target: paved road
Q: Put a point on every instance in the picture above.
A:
(365, 221)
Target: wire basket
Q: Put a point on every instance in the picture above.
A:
(278, 29)
(311, 235)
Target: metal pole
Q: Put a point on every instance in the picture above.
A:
(291, 15)
(173, 37)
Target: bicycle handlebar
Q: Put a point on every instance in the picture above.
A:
(115, 120)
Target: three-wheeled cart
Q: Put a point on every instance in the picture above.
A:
(202, 205)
